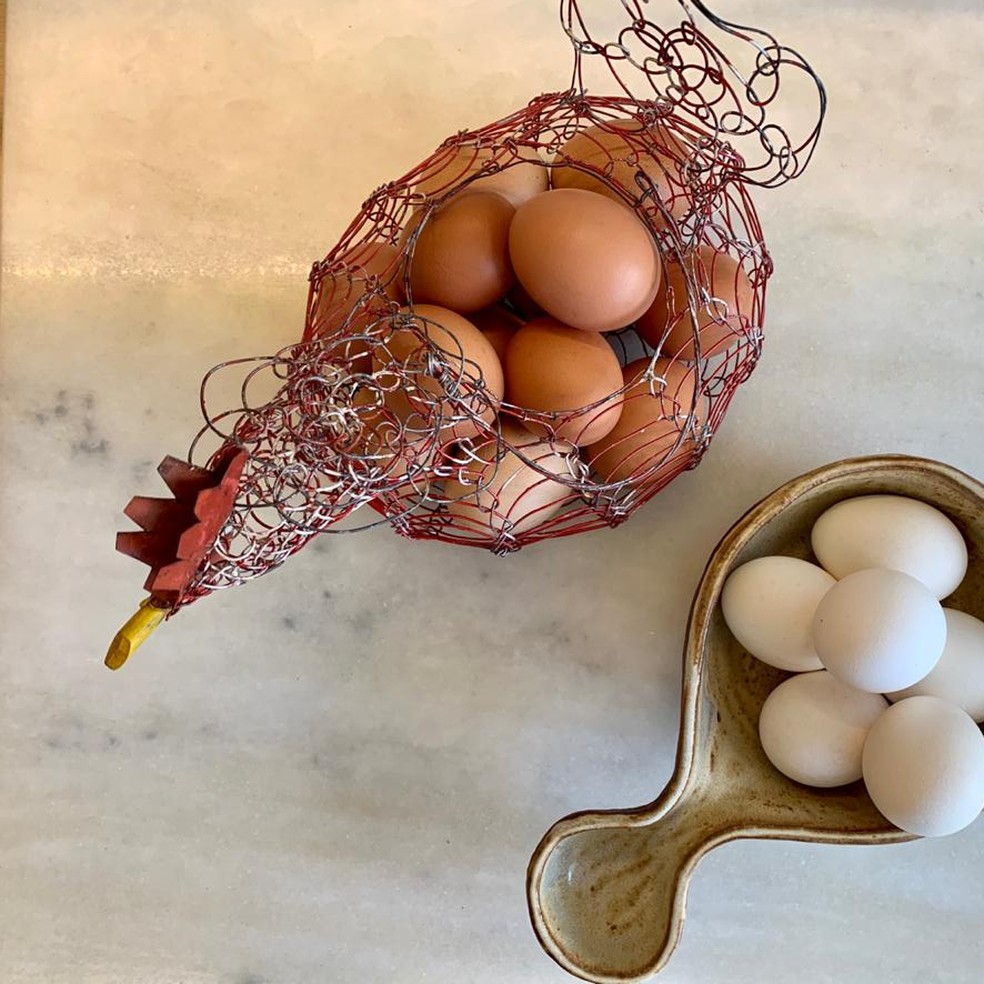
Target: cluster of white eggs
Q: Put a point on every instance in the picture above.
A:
(889, 683)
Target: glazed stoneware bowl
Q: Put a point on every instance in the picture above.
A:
(607, 890)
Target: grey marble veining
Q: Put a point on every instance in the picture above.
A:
(338, 773)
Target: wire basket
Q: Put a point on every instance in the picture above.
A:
(384, 403)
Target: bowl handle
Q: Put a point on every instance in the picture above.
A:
(608, 891)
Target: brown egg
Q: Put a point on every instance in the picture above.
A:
(500, 492)
(471, 367)
(344, 293)
(650, 426)
(498, 324)
(585, 260)
(461, 257)
(653, 154)
(552, 368)
(720, 320)
(516, 183)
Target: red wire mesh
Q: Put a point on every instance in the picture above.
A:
(380, 405)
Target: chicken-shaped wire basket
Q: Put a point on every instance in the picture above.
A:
(526, 336)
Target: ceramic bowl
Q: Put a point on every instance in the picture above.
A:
(607, 890)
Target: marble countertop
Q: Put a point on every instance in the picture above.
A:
(338, 773)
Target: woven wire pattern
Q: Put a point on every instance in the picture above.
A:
(370, 410)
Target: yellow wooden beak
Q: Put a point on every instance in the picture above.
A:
(135, 632)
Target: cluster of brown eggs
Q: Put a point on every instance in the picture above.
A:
(519, 281)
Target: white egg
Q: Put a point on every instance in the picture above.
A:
(959, 675)
(879, 630)
(923, 766)
(813, 727)
(891, 531)
(768, 605)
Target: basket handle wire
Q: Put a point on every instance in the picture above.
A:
(684, 71)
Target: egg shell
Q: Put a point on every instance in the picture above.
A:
(924, 766)
(553, 368)
(460, 259)
(813, 728)
(654, 415)
(769, 604)
(879, 630)
(516, 181)
(723, 315)
(584, 259)
(346, 304)
(501, 492)
(623, 149)
(498, 324)
(959, 675)
(470, 359)
(892, 531)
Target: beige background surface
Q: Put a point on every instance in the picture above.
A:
(338, 773)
